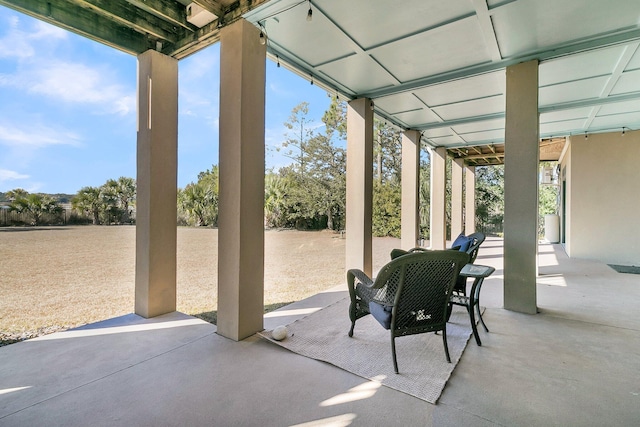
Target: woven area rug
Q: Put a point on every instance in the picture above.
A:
(423, 367)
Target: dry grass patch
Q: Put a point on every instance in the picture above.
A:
(53, 278)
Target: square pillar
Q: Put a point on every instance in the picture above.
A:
(410, 218)
(469, 199)
(521, 188)
(241, 203)
(359, 184)
(457, 169)
(157, 183)
(437, 221)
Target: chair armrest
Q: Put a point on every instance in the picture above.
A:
(360, 275)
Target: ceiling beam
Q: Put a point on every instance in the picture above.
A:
(210, 33)
(486, 25)
(124, 13)
(167, 10)
(210, 5)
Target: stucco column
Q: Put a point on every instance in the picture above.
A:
(157, 155)
(457, 168)
(521, 188)
(359, 184)
(241, 203)
(410, 219)
(437, 220)
(469, 200)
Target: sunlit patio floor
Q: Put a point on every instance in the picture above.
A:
(576, 363)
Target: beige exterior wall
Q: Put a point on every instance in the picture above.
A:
(603, 197)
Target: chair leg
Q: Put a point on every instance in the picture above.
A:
(352, 316)
(446, 347)
(480, 316)
(393, 353)
(449, 311)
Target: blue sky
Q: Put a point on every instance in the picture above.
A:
(68, 109)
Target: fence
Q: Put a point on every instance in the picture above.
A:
(66, 217)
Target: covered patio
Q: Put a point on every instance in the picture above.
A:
(575, 363)
(469, 74)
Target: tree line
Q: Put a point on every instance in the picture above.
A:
(308, 194)
(111, 203)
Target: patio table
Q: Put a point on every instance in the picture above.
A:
(478, 272)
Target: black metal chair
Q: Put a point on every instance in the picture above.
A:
(410, 295)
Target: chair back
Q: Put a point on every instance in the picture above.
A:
(478, 238)
(420, 284)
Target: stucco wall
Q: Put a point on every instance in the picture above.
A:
(603, 197)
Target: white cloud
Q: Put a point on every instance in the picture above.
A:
(39, 49)
(77, 83)
(9, 175)
(22, 44)
(35, 136)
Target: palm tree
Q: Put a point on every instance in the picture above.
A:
(35, 205)
(88, 200)
(126, 195)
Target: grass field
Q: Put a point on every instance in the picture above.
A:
(53, 278)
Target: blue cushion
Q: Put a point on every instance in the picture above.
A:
(382, 314)
(463, 242)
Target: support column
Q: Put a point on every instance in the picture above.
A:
(157, 182)
(521, 188)
(359, 184)
(457, 167)
(438, 225)
(241, 206)
(410, 218)
(469, 199)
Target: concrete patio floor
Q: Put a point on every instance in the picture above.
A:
(575, 363)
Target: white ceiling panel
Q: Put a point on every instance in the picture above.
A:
(480, 86)
(438, 132)
(580, 66)
(293, 33)
(551, 129)
(496, 135)
(628, 82)
(617, 121)
(472, 108)
(479, 126)
(634, 64)
(447, 140)
(620, 108)
(456, 45)
(391, 26)
(565, 92)
(419, 117)
(533, 25)
(349, 72)
(399, 103)
(565, 115)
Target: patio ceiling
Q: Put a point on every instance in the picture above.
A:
(434, 66)
(439, 67)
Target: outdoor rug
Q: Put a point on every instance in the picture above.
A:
(423, 367)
